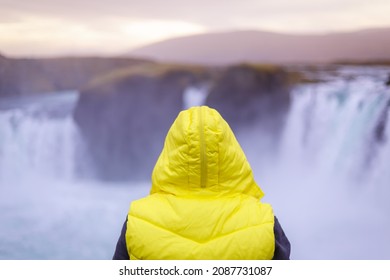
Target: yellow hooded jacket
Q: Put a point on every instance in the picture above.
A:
(204, 202)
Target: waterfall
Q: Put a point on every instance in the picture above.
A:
(332, 129)
(327, 177)
(49, 201)
(195, 96)
(39, 139)
(329, 181)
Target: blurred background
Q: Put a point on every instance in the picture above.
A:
(88, 91)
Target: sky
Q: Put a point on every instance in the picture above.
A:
(44, 28)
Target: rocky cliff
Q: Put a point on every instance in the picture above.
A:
(247, 93)
(126, 114)
(126, 106)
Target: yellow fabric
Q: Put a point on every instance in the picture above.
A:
(204, 202)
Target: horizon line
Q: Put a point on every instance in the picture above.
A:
(127, 51)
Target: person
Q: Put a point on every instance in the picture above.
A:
(204, 202)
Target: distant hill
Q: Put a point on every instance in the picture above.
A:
(26, 76)
(268, 47)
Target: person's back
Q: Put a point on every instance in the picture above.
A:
(204, 202)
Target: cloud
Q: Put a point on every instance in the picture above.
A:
(116, 25)
(53, 36)
(332, 17)
(203, 12)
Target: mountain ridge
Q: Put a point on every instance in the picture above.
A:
(223, 48)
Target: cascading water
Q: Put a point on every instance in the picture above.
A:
(334, 127)
(329, 180)
(50, 206)
(195, 96)
(38, 142)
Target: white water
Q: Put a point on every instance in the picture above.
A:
(329, 182)
(50, 208)
(195, 96)
(328, 178)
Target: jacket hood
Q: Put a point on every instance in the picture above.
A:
(201, 157)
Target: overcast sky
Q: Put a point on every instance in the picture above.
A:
(59, 27)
